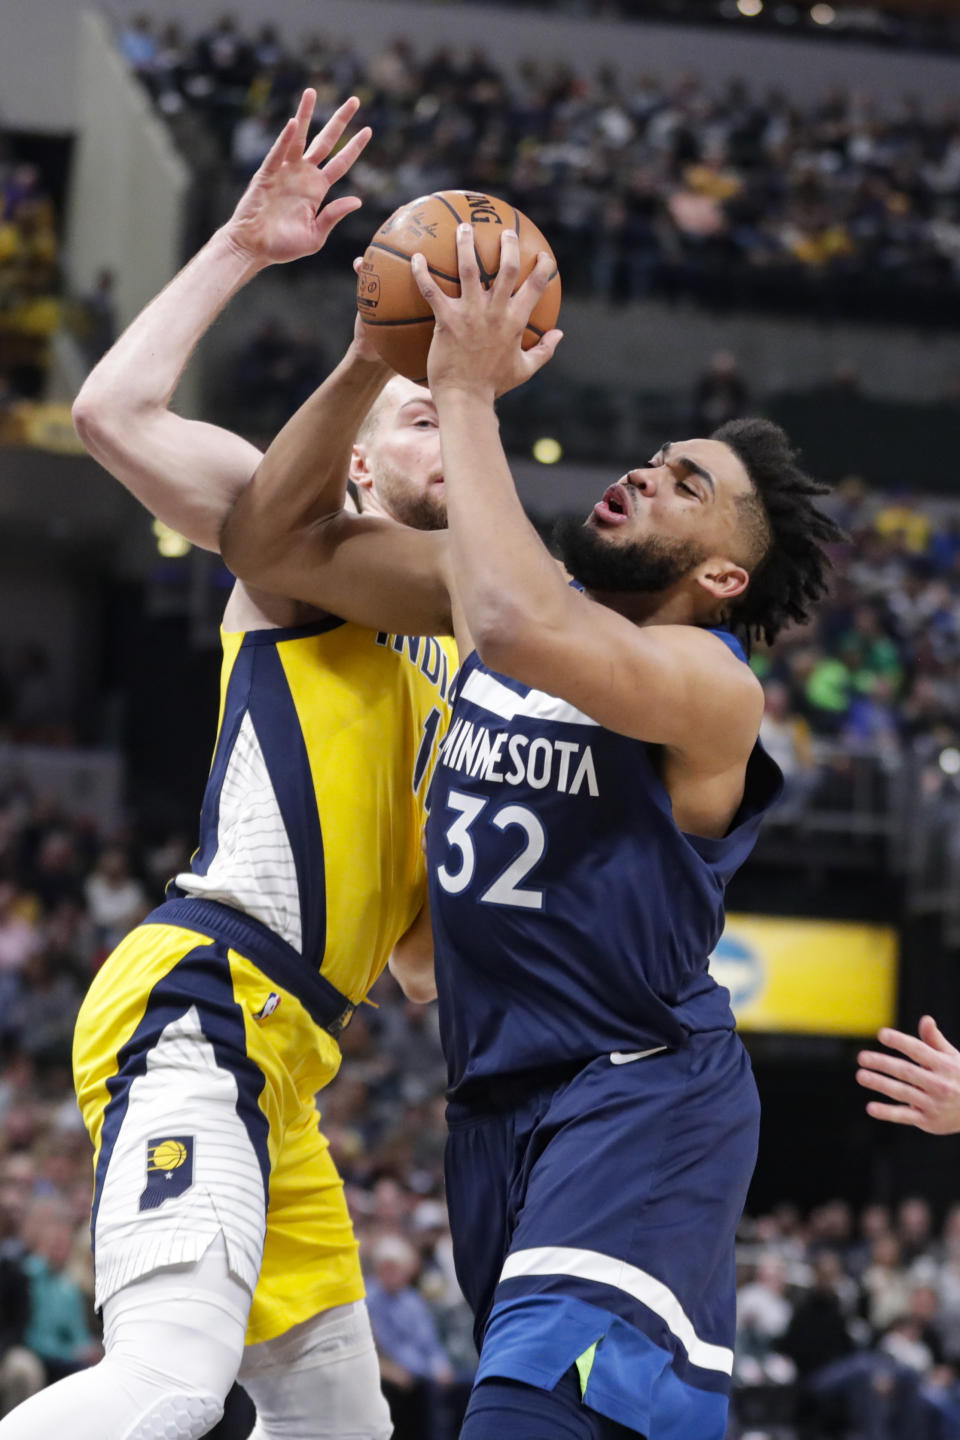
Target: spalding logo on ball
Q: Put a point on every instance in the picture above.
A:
(388, 300)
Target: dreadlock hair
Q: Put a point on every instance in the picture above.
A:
(785, 532)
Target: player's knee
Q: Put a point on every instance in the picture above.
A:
(177, 1417)
(319, 1381)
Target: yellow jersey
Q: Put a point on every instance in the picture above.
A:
(312, 818)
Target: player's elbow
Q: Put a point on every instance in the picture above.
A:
(417, 980)
(236, 554)
(106, 424)
(248, 556)
(92, 419)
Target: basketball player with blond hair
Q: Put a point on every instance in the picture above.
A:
(221, 1235)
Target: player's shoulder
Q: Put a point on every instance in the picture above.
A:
(730, 694)
(715, 646)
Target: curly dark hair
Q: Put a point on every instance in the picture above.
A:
(784, 531)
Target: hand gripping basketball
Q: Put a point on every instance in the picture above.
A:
(478, 341)
(394, 309)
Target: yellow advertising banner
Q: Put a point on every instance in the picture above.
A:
(813, 977)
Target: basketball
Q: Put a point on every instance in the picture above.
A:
(388, 301)
(168, 1155)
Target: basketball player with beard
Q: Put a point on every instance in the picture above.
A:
(600, 782)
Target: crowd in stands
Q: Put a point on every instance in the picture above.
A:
(878, 672)
(643, 184)
(850, 1325)
(29, 281)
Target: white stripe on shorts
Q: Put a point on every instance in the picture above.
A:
(182, 1092)
(605, 1270)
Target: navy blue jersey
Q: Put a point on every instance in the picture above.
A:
(571, 916)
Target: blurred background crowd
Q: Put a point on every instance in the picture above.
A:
(29, 278)
(644, 184)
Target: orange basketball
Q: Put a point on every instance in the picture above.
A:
(399, 319)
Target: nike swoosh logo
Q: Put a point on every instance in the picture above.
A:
(619, 1057)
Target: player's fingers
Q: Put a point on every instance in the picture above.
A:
(425, 282)
(321, 145)
(277, 153)
(907, 1045)
(508, 273)
(338, 165)
(906, 1070)
(903, 1070)
(897, 1114)
(932, 1035)
(890, 1085)
(536, 282)
(467, 264)
(544, 349)
(357, 264)
(333, 213)
(302, 118)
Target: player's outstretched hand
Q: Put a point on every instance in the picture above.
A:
(925, 1085)
(477, 338)
(283, 215)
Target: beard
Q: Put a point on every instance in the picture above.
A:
(648, 566)
(423, 509)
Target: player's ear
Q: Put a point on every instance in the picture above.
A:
(360, 473)
(723, 579)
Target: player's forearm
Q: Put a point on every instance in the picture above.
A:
(185, 472)
(509, 586)
(303, 476)
(141, 370)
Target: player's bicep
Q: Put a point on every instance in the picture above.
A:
(185, 472)
(361, 568)
(672, 685)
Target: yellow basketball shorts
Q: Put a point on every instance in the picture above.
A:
(196, 1076)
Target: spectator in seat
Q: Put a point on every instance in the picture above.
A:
(412, 1360)
(115, 899)
(57, 1329)
(720, 394)
(21, 1372)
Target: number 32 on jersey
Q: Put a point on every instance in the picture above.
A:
(456, 874)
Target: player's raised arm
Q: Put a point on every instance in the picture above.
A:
(186, 472)
(921, 1084)
(288, 532)
(669, 551)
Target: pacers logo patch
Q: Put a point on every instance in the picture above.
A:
(169, 1169)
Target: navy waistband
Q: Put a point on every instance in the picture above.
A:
(324, 1003)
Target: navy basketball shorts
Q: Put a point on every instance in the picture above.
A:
(593, 1226)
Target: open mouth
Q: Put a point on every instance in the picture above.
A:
(614, 508)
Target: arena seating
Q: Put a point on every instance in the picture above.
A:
(646, 185)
